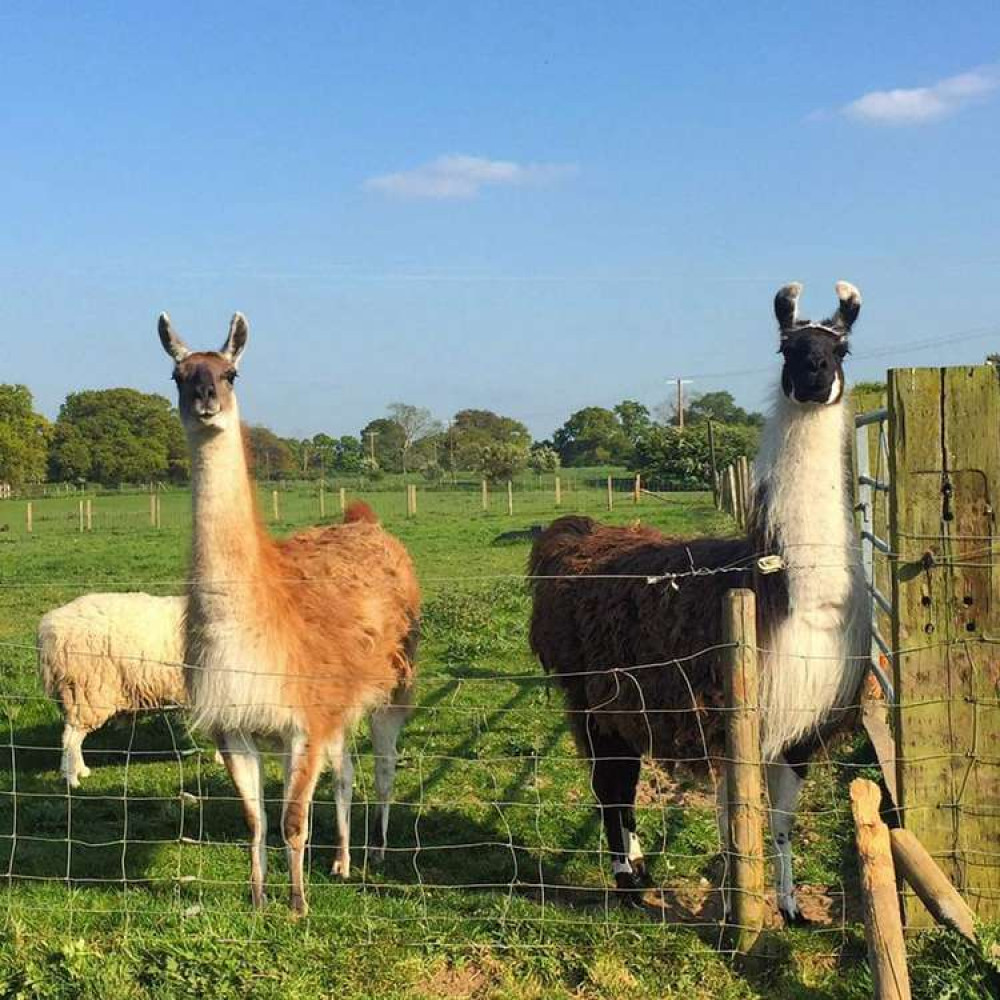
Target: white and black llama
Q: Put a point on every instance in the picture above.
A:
(639, 660)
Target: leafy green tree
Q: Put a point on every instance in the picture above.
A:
(347, 454)
(416, 422)
(389, 439)
(592, 436)
(719, 406)
(24, 437)
(473, 430)
(498, 462)
(634, 418)
(543, 458)
(672, 459)
(114, 436)
(270, 455)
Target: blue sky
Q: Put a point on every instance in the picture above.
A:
(529, 207)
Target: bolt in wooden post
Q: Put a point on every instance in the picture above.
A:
(274, 504)
(510, 497)
(883, 924)
(611, 495)
(743, 769)
(29, 517)
(486, 496)
(343, 499)
(558, 492)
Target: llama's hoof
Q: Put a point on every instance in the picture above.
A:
(376, 856)
(259, 900)
(299, 907)
(630, 889)
(342, 868)
(84, 772)
(642, 873)
(794, 918)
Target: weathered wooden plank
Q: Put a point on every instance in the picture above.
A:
(945, 467)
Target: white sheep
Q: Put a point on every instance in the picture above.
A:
(108, 653)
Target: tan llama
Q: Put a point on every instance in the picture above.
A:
(294, 640)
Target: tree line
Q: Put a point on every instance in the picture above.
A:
(116, 436)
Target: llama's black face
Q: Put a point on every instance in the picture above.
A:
(813, 370)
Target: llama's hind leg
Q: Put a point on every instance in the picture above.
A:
(784, 782)
(242, 760)
(386, 724)
(614, 776)
(73, 767)
(339, 754)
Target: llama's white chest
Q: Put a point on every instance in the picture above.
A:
(236, 681)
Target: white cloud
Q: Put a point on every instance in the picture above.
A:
(918, 105)
(457, 176)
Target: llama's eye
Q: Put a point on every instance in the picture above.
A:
(230, 376)
(842, 350)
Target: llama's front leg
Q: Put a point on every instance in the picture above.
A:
(73, 767)
(784, 782)
(342, 762)
(242, 760)
(304, 763)
(386, 724)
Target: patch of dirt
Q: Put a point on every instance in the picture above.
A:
(467, 981)
(658, 786)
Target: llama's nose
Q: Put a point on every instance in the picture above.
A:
(817, 365)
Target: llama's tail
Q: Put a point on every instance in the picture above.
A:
(358, 510)
(555, 544)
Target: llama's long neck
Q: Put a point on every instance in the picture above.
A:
(815, 654)
(228, 543)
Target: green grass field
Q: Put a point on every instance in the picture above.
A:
(495, 885)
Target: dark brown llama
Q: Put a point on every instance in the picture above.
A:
(629, 621)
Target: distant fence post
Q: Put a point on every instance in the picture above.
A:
(486, 496)
(343, 499)
(322, 499)
(883, 923)
(90, 514)
(275, 506)
(159, 512)
(558, 492)
(637, 490)
(510, 497)
(29, 516)
(743, 769)
(711, 460)
(611, 495)
(152, 509)
(80, 505)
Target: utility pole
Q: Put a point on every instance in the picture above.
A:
(371, 444)
(680, 400)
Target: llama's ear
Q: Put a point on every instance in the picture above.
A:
(850, 306)
(239, 331)
(786, 305)
(172, 343)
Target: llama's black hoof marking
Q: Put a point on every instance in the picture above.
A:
(630, 889)
(642, 874)
(796, 919)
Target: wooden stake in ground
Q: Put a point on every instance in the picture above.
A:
(152, 510)
(883, 924)
(637, 489)
(510, 497)
(558, 492)
(274, 504)
(158, 512)
(343, 499)
(931, 884)
(90, 514)
(29, 517)
(322, 500)
(81, 517)
(711, 460)
(486, 496)
(743, 771)
(611, 495)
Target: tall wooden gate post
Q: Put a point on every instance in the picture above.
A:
(743, 769)
(944, 460)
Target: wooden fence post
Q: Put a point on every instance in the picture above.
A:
(159, 511)
(611, 495)
(275, 505)
(711, 460)
(558, 492)
(883, 924)
(637, 491)
(29, 515)
(510, 497)
(152, 509)
(322, 499)
(90, 514)
(80, 505)
(486, 496)
(343, 499)
(743, 770)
